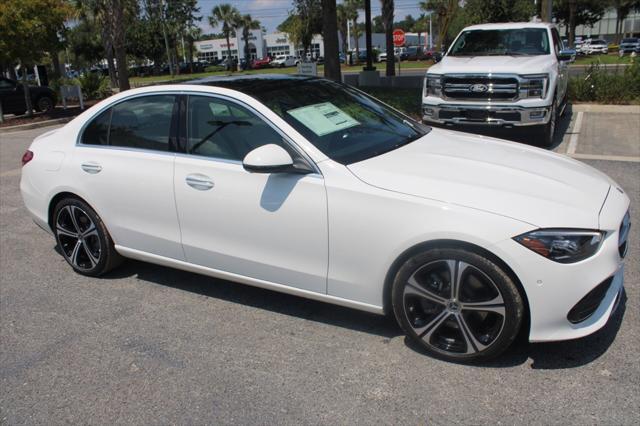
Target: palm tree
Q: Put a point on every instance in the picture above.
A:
(247, 23)
(227, 16)
(352, 7)
(330, 40)
(343, 21)
(387, 21)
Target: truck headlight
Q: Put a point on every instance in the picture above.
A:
(433, 85)
(562, 245)
(534, 86)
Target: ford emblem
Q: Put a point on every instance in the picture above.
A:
(478, 88)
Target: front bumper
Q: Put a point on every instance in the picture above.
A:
(553, 289)
(492, 115)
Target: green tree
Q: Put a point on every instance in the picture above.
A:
(27, 27)
(387, 20)
(247, 23)
(343, 22)
(353, 6)
(330, 40)
(445, 11)
(623, 8)
(227, 17)
(573, 13)
(481, 11)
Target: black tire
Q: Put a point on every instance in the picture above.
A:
(453, 328)
(44, 104)
(546, 133)
(83, 238)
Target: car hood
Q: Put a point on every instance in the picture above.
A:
(510, 179)
(492, 64)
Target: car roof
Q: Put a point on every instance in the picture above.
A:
(510, 25)
(251, 80)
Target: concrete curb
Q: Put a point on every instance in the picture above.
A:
(620, 109)
(36, 125)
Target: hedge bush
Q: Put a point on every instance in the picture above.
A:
(598, 85)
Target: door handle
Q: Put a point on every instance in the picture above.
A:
(199, 182)
(91, 168)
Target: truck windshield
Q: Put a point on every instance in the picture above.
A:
(502, 42)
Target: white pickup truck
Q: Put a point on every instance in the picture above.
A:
(509, 75)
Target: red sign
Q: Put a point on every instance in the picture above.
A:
(398, 38)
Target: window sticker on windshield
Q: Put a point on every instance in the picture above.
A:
(323, 118)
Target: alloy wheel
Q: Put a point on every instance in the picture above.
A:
(454, 307)
(78, 237)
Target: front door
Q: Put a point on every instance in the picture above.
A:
(271, 227)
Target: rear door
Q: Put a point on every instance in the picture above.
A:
(124, 164)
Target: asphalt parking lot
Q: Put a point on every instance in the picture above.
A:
(151, 345)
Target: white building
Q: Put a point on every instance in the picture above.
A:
(260, 45)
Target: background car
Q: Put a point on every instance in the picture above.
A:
(630, 45)
(261, 63)
(43, 99)
(283, 61)
(597, 46)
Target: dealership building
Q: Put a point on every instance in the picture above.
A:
(276, 44)
(260, 45)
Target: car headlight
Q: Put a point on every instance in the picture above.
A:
(562, 245)
(433, 85)
(534, 86)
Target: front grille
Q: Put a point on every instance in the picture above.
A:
(623, 235)
(589, 303)
(480, 115)
(480, 87)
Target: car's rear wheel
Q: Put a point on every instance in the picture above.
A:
(83, 238)
(457, 305)
(44, 104)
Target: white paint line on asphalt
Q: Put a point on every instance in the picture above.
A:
(605, 157)
(8, 173)
(573, 142)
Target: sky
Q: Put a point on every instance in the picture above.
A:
(271, 13)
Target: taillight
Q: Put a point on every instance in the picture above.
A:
(28, 156)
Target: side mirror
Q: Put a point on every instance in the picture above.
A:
(567, 55)
(269, 158)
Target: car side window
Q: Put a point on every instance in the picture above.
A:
(221, 129)
(97, 132)
(143, 122)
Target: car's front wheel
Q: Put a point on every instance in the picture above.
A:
(83, 238)
(458, 305)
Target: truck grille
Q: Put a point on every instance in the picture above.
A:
(480, 87)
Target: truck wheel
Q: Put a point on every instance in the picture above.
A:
(547, 132)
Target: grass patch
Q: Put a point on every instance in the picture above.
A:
(406, 100)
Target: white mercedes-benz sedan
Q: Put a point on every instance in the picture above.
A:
(313, 188)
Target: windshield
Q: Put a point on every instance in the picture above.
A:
(344, 123)
(508, 42)
(629, 40)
